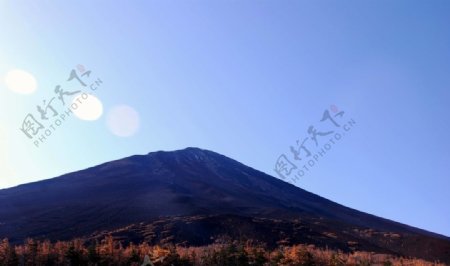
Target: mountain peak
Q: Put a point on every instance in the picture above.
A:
(189, 154)
(185, 151)
(192, 183)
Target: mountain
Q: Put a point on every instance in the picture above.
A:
(196, 197)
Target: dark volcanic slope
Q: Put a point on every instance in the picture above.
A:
(202, 184)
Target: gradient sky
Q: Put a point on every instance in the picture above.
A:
(246, 79)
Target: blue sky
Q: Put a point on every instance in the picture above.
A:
(245, 79)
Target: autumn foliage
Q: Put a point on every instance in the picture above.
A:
(112, 252)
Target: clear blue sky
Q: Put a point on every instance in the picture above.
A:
(246, 79)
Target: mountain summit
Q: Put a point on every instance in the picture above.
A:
(196, 196)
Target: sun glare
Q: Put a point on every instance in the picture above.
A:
(123, 121)
(87, 107)
(20, 81)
